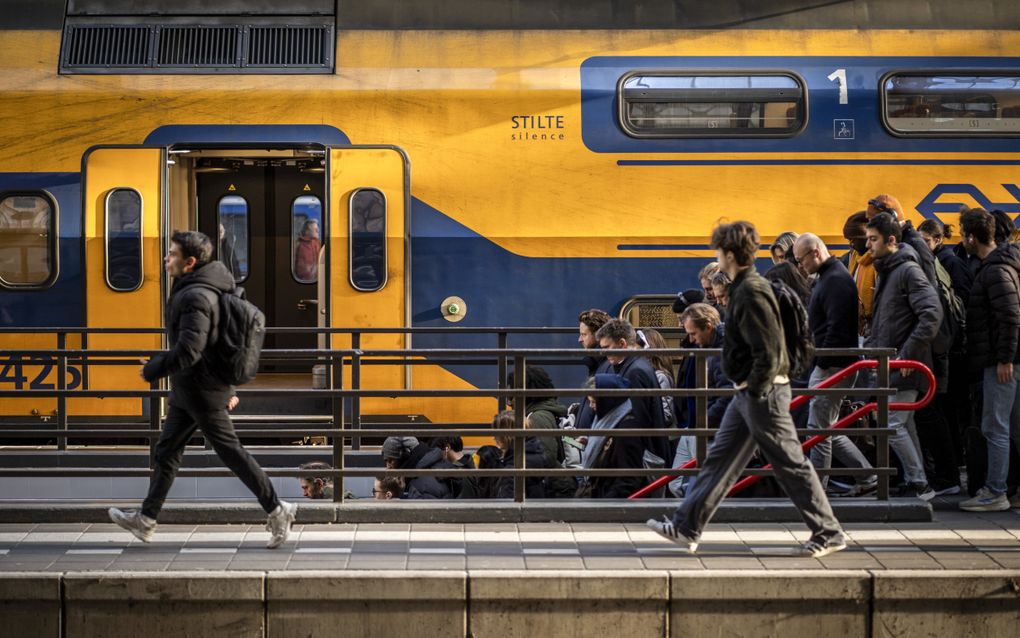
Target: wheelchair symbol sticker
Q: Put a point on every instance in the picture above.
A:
(843, 129)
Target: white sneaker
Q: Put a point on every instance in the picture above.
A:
(665, 529)
(133, 521)
(279, 523)
(986, 501)
(819, 547)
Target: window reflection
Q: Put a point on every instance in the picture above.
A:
(306, 233)
(978, 105)
(124, 239)
(233, 235)
(368, 239)
(26, 247)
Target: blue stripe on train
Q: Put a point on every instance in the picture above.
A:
(504, 289)
(61, 304)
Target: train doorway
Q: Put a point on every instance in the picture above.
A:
(267, 216)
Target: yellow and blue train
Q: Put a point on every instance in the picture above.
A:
(492, 176)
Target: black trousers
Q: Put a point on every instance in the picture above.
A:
(178, 428)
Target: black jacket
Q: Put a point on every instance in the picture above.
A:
(425, 457)
(959, 272)
(466, 486)
(925, 257)
(755, 349)
(192, 318)
(534, 457)
(639, 372)
(907, 313)
(832, 312)
(993, 310)
(622, 452)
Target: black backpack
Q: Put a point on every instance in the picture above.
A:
(952, 334)
(800, 344)
(239, 337)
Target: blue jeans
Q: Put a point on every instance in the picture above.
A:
(1000, 418)
(823, 412)
(904, 441)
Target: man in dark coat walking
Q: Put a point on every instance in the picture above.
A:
(198, 398)
(755, 358)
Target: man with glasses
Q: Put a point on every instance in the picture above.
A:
(832, 316)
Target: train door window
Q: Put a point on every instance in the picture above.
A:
(233, 248)
(668, 104)
(368, 239)
(306, 233)
(28, 246)
(124, 239)
(951, 105)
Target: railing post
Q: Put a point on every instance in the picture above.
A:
(62, 387)
(501, 369)
(700, 406)
(520, 440)
(356, 385)
(336, 381)
(882, 442)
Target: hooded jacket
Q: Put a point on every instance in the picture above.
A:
(638, 370)
(908, 313)
(993, 310)
(545, 413)
(959, 272)
(424, 457)
(192, 318)
(585, 415)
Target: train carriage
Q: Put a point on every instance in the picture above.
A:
(479, 168)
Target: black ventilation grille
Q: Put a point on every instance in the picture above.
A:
(287, 46)
(190, 48)
(106, 46)
(197, 46)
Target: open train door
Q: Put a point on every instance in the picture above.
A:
(122, 207)
(367, 258)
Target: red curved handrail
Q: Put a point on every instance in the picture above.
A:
(842, 423)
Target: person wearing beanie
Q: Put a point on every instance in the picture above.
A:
(406, 452)
(687, 298)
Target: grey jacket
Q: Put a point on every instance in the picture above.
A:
(907, 313)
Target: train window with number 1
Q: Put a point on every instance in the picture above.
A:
(951, 105)
(28, 240)
(124, 239)
(711, 104)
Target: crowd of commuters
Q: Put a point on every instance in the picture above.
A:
(955, 309)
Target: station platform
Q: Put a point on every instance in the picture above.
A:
(958, 575)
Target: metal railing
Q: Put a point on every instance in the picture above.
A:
(343, 436)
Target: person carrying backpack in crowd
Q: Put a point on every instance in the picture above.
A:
(907, 317)
(993, 348)
(755, 357)
(199, 398)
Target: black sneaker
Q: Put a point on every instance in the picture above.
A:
(667, 530)
(818, 547)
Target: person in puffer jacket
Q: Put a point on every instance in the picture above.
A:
(993, 335)
(405, 452)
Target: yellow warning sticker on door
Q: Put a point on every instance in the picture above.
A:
(231, 188)
(307, 188)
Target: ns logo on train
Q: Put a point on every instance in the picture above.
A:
(930, 207)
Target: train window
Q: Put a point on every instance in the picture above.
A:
(306, 233)
(124, 239)
(668, 104)
(368, 239)
(233, 246)
(28, 241)
(951, 105)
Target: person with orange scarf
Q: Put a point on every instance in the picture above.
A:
(862, 268)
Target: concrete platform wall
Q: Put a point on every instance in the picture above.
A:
(510, 603)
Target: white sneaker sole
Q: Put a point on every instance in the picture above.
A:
(985, 508)
(290, 512)
(145, 537)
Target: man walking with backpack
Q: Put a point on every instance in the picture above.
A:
(755, 358)
(199, 398)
